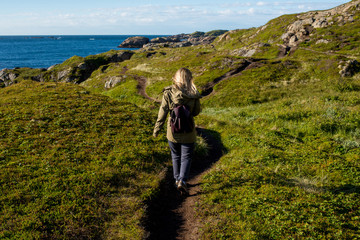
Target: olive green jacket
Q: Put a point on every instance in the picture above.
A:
(171, 97)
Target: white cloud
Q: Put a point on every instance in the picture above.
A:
(251, 11)
(226, 12)
(260, 3)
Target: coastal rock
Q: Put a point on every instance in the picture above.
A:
(113, 81)
(134, 42)
(322, 41)
(202, 40)
(283, 50)
(243, 52)
(182, 44)
(226, 36)
(165, 39)
(65, 75)
(38, 78)
(249, 51)
(82, 68)
(7, 77)
(152, 46)
(184, 40)
(349, 68)
(121, 56)
(300, 30)
(320, 23)
(52, 67)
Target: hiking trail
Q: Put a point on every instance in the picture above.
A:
(141, 87)
(173, 216)
(247, 64)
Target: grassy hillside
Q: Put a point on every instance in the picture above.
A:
(66, 170)
(291, 128)
(287, 115)
(291, 171)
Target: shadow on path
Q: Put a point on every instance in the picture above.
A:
(171, 215)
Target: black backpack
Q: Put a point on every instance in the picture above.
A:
(181, 119)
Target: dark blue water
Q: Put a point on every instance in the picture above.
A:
(45, 51)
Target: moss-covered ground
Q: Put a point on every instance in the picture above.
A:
(66, 168)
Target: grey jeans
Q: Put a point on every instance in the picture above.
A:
(181, 154)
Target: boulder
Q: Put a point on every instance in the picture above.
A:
(293, 40)
(201, 40)
(320, 23)
(182, 44)
(134, 42)
(113, 81)
(120, 57)
(322, 41)
(349, 68)
(244, 52)
(65, 75)
(225, 36)
(7, 77)
(165, 39)
(83, 66)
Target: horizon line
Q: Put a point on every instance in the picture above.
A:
(49, 35)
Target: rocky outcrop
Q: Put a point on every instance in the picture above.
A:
(184, 40)
(300, 30)
(349, 68)
(152, 46)
(119, 56)
(74, 70)
(80, 71)
(134, 42)
(7, 77)
(113, 81)
(201, 40)
(249, 51)
(166, 39)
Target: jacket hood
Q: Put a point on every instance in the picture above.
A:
(181, 97)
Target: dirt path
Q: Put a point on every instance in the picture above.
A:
(171, 215)
(247, 64)
(142, 88)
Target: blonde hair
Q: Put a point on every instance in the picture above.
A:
(183, 80)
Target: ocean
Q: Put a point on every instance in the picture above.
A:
(45, 51)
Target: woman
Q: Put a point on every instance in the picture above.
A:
(182, 92)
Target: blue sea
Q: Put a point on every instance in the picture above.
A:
(45, 51)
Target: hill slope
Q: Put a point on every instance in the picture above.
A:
(66, 169)
(283, 97)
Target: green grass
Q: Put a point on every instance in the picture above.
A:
(291, 172)
(73, 164)
(341, 40)
(127, 91)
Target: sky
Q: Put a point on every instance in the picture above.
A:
(144, 17)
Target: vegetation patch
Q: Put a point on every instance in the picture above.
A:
(292, 170)
(74, 164)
